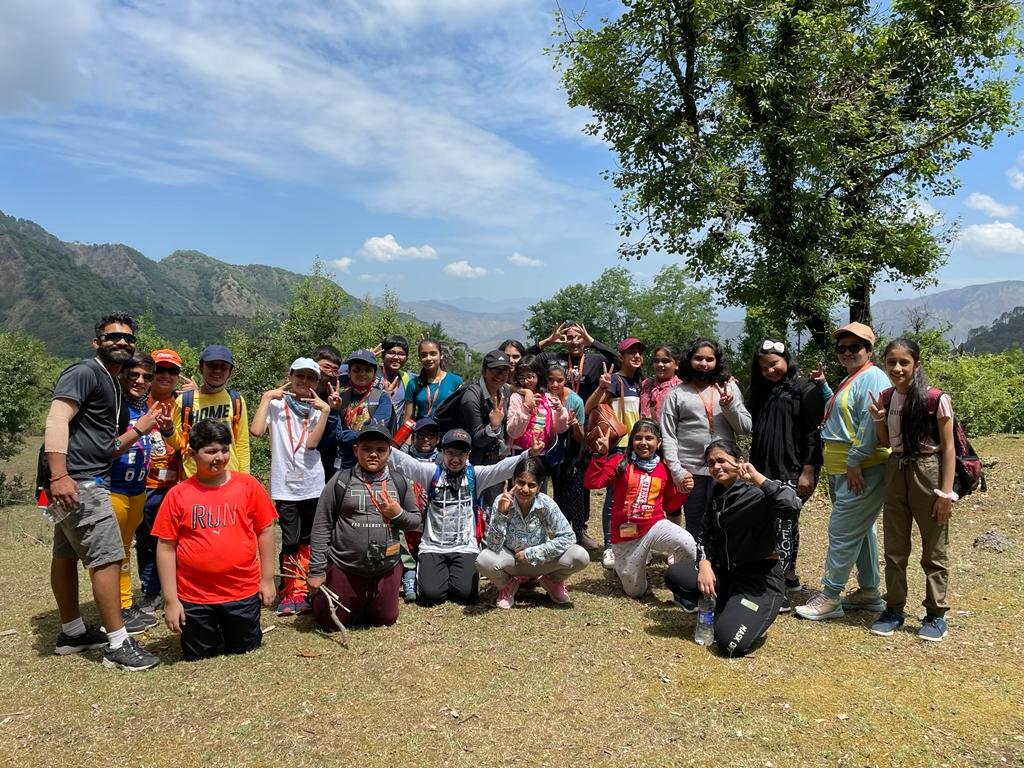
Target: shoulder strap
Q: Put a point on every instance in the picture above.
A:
(934, 395)
(344, 480)
(886, 396)
(236, 410)
(187, 402)
(471, 476)
(433, 482)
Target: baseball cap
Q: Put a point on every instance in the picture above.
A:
(305, 364)
(424, 423)
(457, 438)
(361, 356)
(859, 330)
(373, 429)
(217, 352)
(496, 359)
(632, 341)
(167, 357)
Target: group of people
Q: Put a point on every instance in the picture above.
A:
(389, 483)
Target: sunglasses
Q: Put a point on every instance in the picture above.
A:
(773, 346)
(844, 348)
(134, 375)
(166, 369)
(118, 336)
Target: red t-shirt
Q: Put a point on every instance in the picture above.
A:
(215, 531)
(638, 498)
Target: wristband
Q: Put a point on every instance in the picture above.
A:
(943, 495)
(878, 421)
(138, 431)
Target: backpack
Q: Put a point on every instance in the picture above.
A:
(478, 509)
(449, 413)
(187, 403)
(344, 479)
(373, 398)
(967, 474)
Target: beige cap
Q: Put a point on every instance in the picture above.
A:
(859, 330)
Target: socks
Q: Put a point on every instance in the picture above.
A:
(73, 628)
(117, 638)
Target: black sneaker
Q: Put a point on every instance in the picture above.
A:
(92, 638)
(134, 624)
(131, 657)
(147, 618)
(687, 605)
(151, 603)
(787, 606)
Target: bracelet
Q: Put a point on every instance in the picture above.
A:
(59, 477)
(878, 421)
(138, 431)
(943, 495)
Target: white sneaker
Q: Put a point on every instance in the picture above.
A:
(821, 606)
(608, 561)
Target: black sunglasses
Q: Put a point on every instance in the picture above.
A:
(118, 336)
(167, 369)
(843, 348)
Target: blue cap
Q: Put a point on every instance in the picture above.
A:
(362, 356)
(426, 421)
(217, 352)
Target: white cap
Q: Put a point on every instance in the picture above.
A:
(305, 364)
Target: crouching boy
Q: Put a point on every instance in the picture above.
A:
(215, 551)
(354, 544)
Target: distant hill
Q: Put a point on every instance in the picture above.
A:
(1007, 332)
(966, 308)
(480, 328)
(56, 290)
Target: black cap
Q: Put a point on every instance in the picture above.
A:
(425, 423)
(457, 437)
(496, 359)
(373, 429)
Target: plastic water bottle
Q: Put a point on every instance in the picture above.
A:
(704, 634)
(53, 511)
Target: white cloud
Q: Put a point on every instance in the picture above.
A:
(343, 265)
(463, 268)
(1016, 177)
(998, 236)
(386, 248)
(380, 277)
(524, 261)
(985, 204)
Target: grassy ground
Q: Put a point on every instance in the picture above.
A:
(609, 681)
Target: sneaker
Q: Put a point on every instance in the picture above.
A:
(287, 606)
(933, 629)
(131, 657)
(507, 595)
(687, 605)
(862, 599)
(887, 623)
(145, 617)
(793, 584)
(67, 644)
(787, 606)
(608, 561)
(821, 606)
(134, 624)
(409, 586)
(302, 605)
(556, 590)
(587, 542)
(151, 603)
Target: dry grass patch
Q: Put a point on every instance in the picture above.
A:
(609, 681)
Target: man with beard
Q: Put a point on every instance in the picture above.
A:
(82, 437)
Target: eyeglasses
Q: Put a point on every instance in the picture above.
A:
(330, 370)
(165, 369)
(116, 336)
(134, 375)
(773, 346)
(842, 349)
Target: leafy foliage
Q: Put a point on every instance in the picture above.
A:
(668, 310)
(24, 370)
(778, 147)
(1007, 332)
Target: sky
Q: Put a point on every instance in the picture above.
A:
(422, 146)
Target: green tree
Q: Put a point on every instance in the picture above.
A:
(778, 147)
(28, 374)
(668, 310)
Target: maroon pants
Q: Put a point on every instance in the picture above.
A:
(372, 600)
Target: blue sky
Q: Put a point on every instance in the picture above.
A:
(426, 145)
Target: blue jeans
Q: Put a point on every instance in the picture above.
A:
(606, 510)
(145, 543)
(852, 531)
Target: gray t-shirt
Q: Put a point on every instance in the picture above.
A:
(91, 433)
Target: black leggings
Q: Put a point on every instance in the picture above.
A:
(749, 599)
(447, 577)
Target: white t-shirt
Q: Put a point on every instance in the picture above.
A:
(296, 472)
(895, 423)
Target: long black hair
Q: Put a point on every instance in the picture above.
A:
(915, 425)
(440, 363)
(760, 387)
(720, 375)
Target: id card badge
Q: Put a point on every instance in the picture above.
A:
(627, 530)
(393, 549)
(294, 477)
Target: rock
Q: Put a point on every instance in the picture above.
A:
(993, 541)
(989, 461)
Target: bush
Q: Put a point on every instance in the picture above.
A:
(987, 390)
(25, 370)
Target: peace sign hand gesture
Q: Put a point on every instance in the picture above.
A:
(333, 398)
(877, 409)
(497, 414)
(505, 500)
(389, 507)
(316, 402)
(606, 376)
(725, 395)
(601, 443)
(390, 386)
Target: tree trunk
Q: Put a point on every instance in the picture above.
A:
(860, 300)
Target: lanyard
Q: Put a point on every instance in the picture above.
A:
(845, 383)
(640, 501)
(576, 376)
(437, 391)
(373, 499)
(709, 406)
(293, 444)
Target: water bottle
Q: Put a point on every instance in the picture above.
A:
(54, 512)
(704, 634)
(403, 433)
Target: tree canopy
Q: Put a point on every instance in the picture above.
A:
(779, 147)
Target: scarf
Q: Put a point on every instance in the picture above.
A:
(647, 465)
(653, 394)
(140, 404)
(366, 477)
(299, 408)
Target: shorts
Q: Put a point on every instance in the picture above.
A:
(90, 533)
(214, 628)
